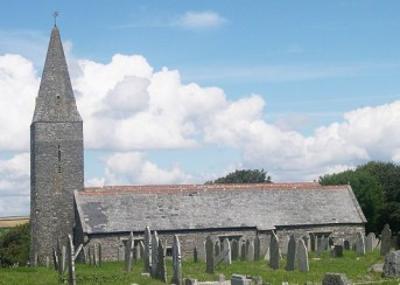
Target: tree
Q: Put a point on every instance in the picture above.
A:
(15, 245)
(367, 190)
(244, 176)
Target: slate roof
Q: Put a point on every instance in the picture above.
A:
(191, 207)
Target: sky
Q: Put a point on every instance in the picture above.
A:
(188, 91)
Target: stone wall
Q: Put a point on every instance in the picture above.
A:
(113, 244)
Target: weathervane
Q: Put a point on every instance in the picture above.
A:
(55, 15)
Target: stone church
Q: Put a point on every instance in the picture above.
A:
(61, 205)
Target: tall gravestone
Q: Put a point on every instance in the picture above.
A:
(285, 242)
(227, 251)
(235, 249)
(217, 247)
(369, 242)
(195, 255)
(154, 256)
(291, 254)
(360, 244)
(250, 250)
(307, 241)
(177, 261)
(129, 253)
(386, 240)
(147, 250)
(346, 245)
(243, 251)
(138, 251)
(162, 266)
(210, 256)
(274, 252)
(257, 248)
(302, 256)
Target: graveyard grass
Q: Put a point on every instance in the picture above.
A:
(356, 269)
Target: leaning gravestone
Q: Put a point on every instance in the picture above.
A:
(177, 262)
(335, 279)
(154, 256)
(147, 250)
(386, 240)
(302, 256)
(250, 250)
(210, 256)
(161, 266)
(360, 244)
(274, 252)
(257, 248)
(291, 254)
(391, 267)
(235, 249)
(228, 251)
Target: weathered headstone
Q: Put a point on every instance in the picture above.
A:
(99, 254)
(177, 262)
(291, 254)
(210, 256)
(141, 248)
(386, 240)
(391, 267)
(162, 266)
(337, 250)
(335, 279)
(147, 250)
(235, 249)
(237, 279)
(243, 251)
(307, 241)
(195, 255)
(302, 256)
(129, 253)
(138, 251)
(250, 250)
(257, 248)
(71, 261)
(274, 252)
(154, 242)
(285, 243)
(227, 251)
(346, 245)
(360, 244)
(217, 247)
(96, 254)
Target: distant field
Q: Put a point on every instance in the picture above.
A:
(356, 268)
(9, 222)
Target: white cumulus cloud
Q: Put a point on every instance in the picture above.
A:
(201, 20)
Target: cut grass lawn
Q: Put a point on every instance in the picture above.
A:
(356, 269)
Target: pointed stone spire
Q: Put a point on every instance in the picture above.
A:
(56, 101)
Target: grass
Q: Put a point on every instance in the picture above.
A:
(356, 269)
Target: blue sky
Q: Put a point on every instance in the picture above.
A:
(309, 64)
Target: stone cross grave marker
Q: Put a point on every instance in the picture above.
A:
(177, 261)
(386, 240)
(302, 256)
(274, 252)
(291, 254)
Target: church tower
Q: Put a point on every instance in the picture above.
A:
(56, 154)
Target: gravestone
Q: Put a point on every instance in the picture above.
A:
(129, 253)
(71, 261)
(162, 266)
(360, 244)
(227, 251)
(386, 240)
(237, 279)
(335, 279)
(235, 249)
(307, 241)
(176, 262)
(257, 248)
(154, 256)
(210, 256)
(99, 254)
(302, 256)
(337, 250)
(391, 267)
(138, 251)
(346, 245)
(195, 255)
(141, 247)
(217, 247)
(274, 252)
(243, 251)
(285, 243)
(249, 250)
(147, 250)
(291, 254)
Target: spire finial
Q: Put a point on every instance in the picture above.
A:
(55, 15)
